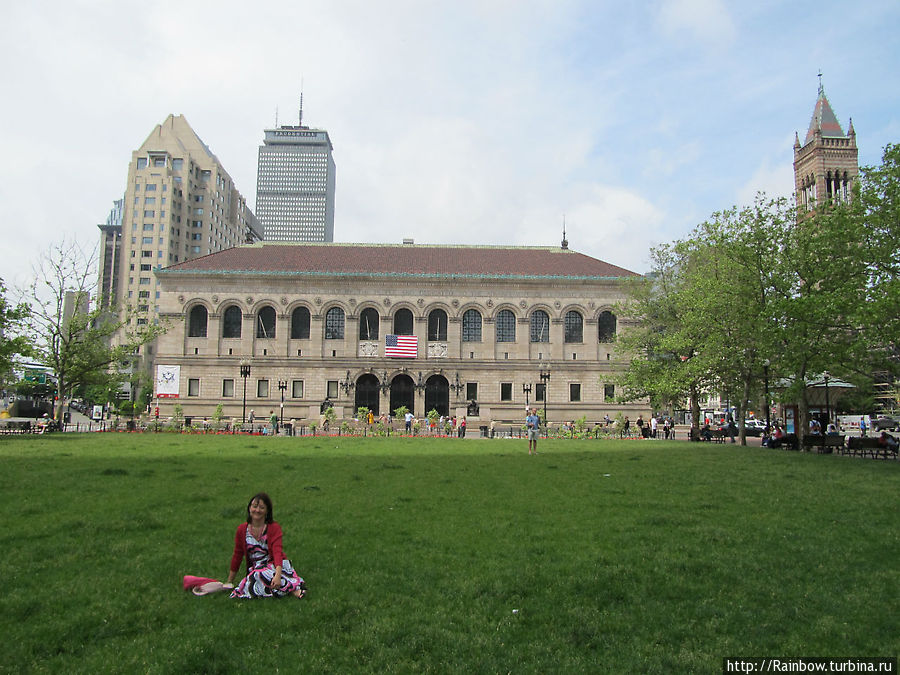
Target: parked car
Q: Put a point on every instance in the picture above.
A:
(885, 423)
(754, 427)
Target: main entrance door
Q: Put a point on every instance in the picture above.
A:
(367, 394)
(403, 392)
(437, 395)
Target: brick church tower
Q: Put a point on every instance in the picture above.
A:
(826, 164)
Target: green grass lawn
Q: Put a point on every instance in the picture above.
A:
(441, 555)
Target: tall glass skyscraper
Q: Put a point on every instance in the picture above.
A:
(295, 185)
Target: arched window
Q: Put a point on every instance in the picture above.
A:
(197, 321)
(506, 326)
(231, 322)
(265, 322)
(334, 324)
(471, 326)
(403, 322)
(574, 326)
(437, 325)
(606, 327)
(368, 324)
(540, 326)
(300, 324)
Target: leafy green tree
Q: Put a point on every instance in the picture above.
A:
(732, 281)
(877, 206)
(12, 340)
(665, 346)
(752, 286)
(81, 345)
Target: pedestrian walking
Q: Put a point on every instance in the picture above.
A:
(533, 425)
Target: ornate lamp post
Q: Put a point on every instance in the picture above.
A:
(526, 389)
(545, 378)
(768, 406)
(282, 385)
(457, 386)
(245, 373)
(826, 375)
(347, 385)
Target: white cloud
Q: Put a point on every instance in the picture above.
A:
(483, 121)
(774, 175)
(706, 21)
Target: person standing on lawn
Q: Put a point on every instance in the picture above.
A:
(273, 420)
(258, 541)
(532, 428)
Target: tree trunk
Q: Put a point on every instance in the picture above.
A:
(742, 414)
(695, 408)
(58, 411)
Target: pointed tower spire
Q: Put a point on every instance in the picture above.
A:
(823, 121)
(565, 242)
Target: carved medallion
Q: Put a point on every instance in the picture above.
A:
(368, 349)
(437, 350)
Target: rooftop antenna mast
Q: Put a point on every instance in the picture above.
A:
(301, 101)
(276, 116)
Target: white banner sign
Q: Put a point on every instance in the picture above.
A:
(167, 381)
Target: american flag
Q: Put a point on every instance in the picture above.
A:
(401, 346)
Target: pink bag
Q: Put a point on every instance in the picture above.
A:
(204, 585)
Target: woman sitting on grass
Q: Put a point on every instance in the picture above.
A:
(269, 573)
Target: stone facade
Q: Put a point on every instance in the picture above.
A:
(454, 365)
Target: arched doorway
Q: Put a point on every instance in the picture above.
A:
(437, 395)
(403, 392)
(368, 394)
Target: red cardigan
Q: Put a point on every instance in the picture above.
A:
(273, 541)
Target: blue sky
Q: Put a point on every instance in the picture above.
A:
(471, 122)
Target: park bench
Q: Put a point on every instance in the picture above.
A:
(869, 445)
(17, 427)
(861, 446)
(717, 435)
(822, 444)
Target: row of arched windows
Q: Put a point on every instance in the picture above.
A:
(837, 187)
(369, 324)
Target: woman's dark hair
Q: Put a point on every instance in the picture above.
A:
(267, 500)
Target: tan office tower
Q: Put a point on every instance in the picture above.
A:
(180, 203)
